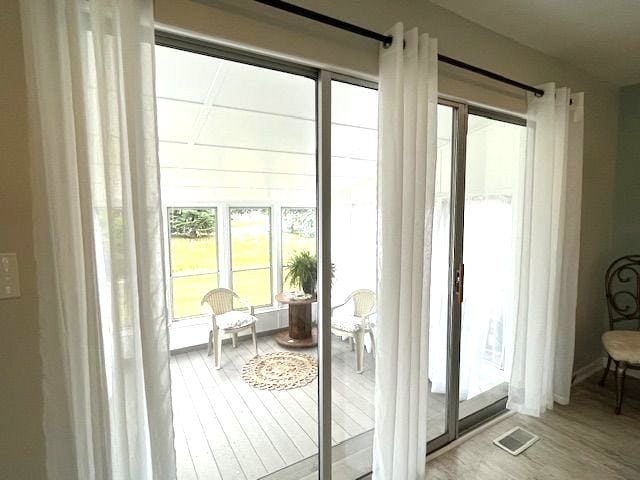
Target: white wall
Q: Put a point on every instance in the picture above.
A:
(243, 23)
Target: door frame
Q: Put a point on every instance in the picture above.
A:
(455, 425)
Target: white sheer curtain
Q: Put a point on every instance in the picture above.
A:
(98, 239)
(548, 270)
(407, 157)
(439, 296)
(490, 276)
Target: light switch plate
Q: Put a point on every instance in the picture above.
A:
(9, 278)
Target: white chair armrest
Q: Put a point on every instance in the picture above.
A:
(338, 306)
(247, 306)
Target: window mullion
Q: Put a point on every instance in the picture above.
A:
(225, 237)
(276, 235)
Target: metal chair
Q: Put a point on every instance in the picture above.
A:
(227, 320)
(622, 287)
(356, 325)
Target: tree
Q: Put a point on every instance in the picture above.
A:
(300, 221)
(192, 222)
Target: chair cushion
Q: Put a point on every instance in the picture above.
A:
(623, 345)
(346, 323)
(234, 319)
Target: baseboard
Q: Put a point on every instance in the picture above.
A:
(587, 371)
(597, 366)
(226, 341)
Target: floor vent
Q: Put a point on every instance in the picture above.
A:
(516, 440)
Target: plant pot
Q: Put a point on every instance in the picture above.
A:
(309, 287)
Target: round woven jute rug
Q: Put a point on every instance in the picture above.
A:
(280, 370)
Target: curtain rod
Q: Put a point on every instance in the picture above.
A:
(387, 40)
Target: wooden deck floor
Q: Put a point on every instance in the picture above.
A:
(226, 429)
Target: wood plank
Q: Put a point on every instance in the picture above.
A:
(350, 460)
(276, 429)
(221, 431)
(347, 416)
(338, 434)
(184, 464)
(289, 403)
(360, 381)
(285, 447)
(353, 411)
(342, 428)
(342, 420)
(342, 385)
(216, 382)
(287, 421)
(199, 449)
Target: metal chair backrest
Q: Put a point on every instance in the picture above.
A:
(220, 300)
(622, 287)
(364, 301)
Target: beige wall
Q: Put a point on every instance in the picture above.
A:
(626, 234)
(21, 438)
(242, 23)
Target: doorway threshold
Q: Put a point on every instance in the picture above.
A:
(471, 433)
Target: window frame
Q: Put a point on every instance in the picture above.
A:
(223, 249)
(168, 255)
(271, 256)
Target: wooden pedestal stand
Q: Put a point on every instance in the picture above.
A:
(300, 333)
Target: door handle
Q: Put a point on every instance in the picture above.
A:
(459, 287)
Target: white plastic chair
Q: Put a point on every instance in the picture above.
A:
(227, 320)
(356, 325)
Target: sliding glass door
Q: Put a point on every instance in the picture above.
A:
(354, 173)
(237, 149)
(494, 157)
(478, 175)
(268, 169)
(474, 263)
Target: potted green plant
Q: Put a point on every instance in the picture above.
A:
(302, 271)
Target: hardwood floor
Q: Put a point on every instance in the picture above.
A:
(226, 429)
(584, 440)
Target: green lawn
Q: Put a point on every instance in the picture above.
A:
(250, 248)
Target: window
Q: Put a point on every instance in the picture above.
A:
(251, 274)
(298, 227)
(193, 252)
